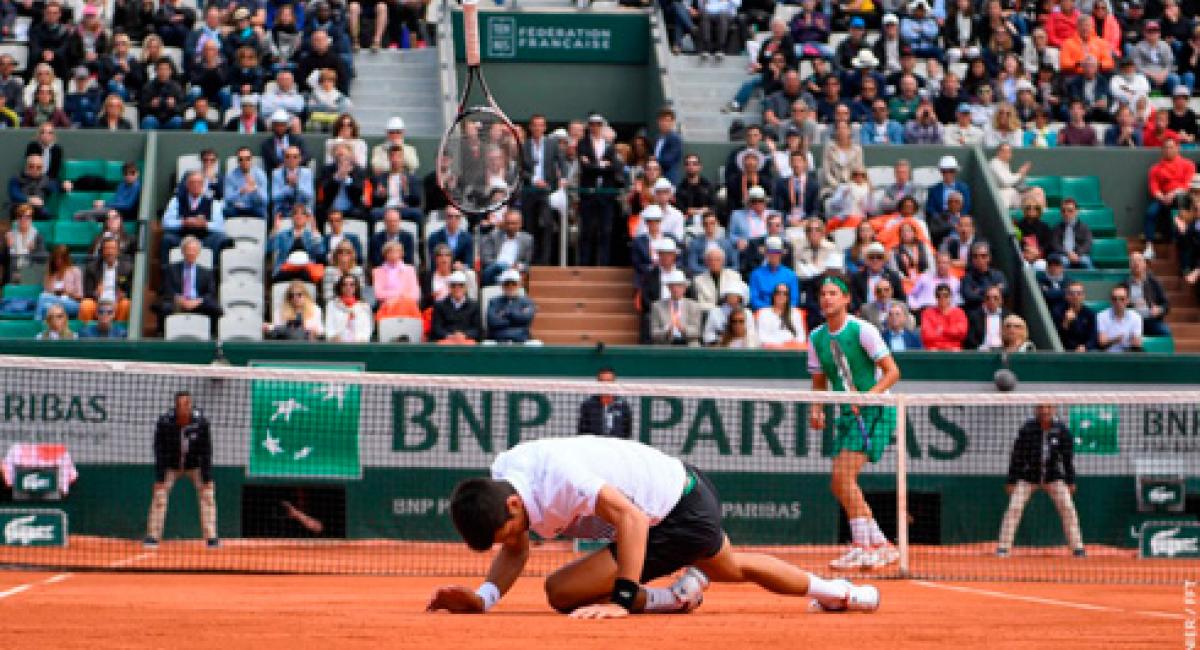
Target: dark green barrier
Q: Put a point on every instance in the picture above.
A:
(576, 37)
(144, 350)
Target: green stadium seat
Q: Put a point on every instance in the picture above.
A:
(26, 291)
(131, 228)
(20, 329)
(1099, 220)
(1110, 253)
(1097, 305)
(1084, 189)
(1097, 275)
(113, 170)
(1159, 344)
(1052, 216)
(46, 228)
(72, 170)
(76, 235)
(1052, 185)
(73, 202)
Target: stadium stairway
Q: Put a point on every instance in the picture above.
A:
(398, 82)
(1184, 317)
(700, 89)
(583, 306)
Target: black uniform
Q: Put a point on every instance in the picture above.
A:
(182, 448)
(1042, 456)
(614, 420)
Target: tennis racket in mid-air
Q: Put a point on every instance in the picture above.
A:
(479, 165)
(843, 366)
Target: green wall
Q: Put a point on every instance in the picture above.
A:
(570, 91)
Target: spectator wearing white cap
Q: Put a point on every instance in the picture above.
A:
(273, 150)
(672, 219)
(731, 319)
(875, 268)
(651, 284)
(772, 273)
(708, 284)
(381, 152)
(283, 95)
(676, 319)
(751, 169)
(756, 249)
(510, 315)
(751, 223)
(964, 132)
(645, 246)
(456, 317)
(889, 45)
(937, 200)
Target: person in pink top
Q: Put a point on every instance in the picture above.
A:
(396, 287)
(1169, 179)
(943, 326)
(1062, 23)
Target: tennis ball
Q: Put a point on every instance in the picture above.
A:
(1005, 380)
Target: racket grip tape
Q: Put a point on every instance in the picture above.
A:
(471, 31)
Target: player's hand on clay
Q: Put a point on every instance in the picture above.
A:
(603, 610)
(456, 600)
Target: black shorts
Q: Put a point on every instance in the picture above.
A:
(690, 532)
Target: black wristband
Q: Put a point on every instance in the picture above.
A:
(624, 592)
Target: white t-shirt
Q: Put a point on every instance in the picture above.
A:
(1123, 329)
(558, 480)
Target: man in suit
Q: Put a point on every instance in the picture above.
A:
(46, 145)
(247, 120)
(603, 414)
(708, 285)
(291, 183)
(397, 188)
(875, 311)
(1071, 237)
(391, 232)
(189, 288)
(1075, 321)
(540, 173)
(274, 149)
(668, 146)
(796, 197)
(694, 261)
(863, 282)
(1093, 90)
(109, 277)
(980, 276)
(937, 200)
(755, 252)
(456, 317)
(505, 247)
(335, 234)
(676, 319)
(462, 246)
(985, 324)
(599, 179)
(342, 187)
(191, 213)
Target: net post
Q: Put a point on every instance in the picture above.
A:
(902, 484)
(470, 11)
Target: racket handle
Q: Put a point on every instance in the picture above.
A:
(471, 32)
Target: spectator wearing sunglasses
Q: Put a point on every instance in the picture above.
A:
(105, 326)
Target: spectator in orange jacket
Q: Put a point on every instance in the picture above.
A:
(1169, 179)
(1086, 41)
(944, 325)
(1061, 23)
(1110, 29)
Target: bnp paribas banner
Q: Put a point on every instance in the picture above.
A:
(336, 429)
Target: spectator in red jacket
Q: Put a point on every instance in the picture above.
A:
(1062, 23)
(943, 326)
(1169, 179)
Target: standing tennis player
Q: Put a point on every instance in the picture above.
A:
(847, 354)
(663, 516)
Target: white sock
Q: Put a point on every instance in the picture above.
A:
(822, 588)
(661, 599)
(877, 536)
(860, 530)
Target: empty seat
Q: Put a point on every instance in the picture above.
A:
(25, 328)
(247, 229)
(242, 263)
(75, 169)
(187, 327)
(205, 258)
(242, 294)
(1099, 220)
(240, 325)
(406, 330)
(1110, 253)
(1159, 344)
(881, 176)
(188, 162)
(76, 235)
(926, 176)
(1084, 189)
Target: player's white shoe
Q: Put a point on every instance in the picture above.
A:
(853, 559)
(858, 598)
(689, 588)
(880, 556)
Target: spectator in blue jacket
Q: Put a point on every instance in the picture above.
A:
(510, 314)
(668, 146)
(921, 31)
(301, 235)
(245, 188)
(457, 238)
(938, 197)
(771, 274)
(291, 183)
(128, 193)
(881, 129)
(896, 331)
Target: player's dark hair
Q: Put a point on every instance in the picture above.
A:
(182, 393)
(478, 509)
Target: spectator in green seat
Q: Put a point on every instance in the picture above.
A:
(23, 241)
(57, 326)
(1147, 296)
(129, 191)
(33, 186)
(105, 325)
(46, 145)
(63, 285)
(1072, 238)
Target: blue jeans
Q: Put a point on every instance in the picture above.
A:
(1085, 262)
(224, 97)
(747, 89)
(48, 300)
(1188, 79)
(1168, 84)
(151, 123)
(1150, 226)
(1154, 327)
(491, 272)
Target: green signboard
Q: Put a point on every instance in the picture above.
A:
(1170, 539)
(560, 38)
(38, 481)
(304, 429)
(1095, 428)
(33, 527)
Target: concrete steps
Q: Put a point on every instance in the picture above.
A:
(397, 82)
(1184, 317)
(701, 88)
(583, 306)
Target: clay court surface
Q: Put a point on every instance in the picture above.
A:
(155, 610)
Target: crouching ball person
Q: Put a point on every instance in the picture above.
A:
(661, 514)
(183, 447)
(1042, 457)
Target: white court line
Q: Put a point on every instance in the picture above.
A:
(133, 559)
(14, 591)
(60, 577)
(1043, 601)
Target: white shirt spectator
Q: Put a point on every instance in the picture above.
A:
(1127, 89)
(771, 330)
(673, 222)
(1124, 329)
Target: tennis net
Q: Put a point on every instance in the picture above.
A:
(328, 470)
